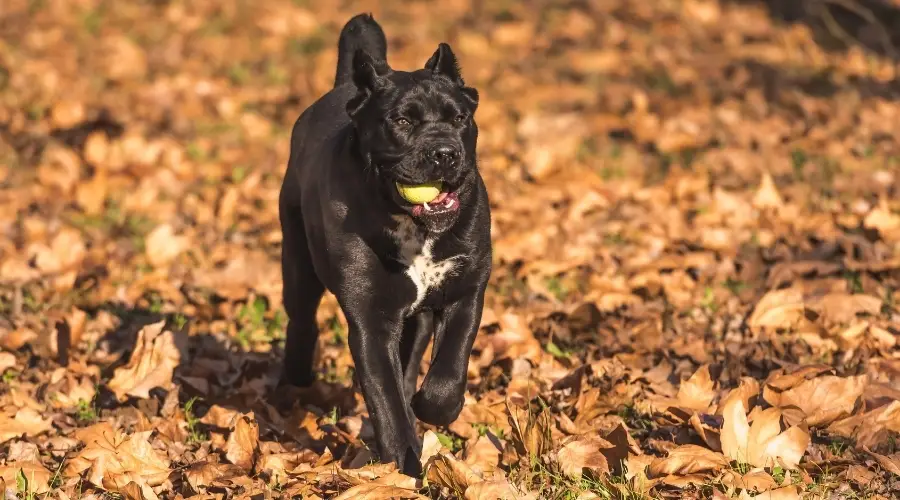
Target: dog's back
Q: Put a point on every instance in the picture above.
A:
(360, 32)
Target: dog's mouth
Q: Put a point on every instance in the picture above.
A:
(429, 199)
(444, 203)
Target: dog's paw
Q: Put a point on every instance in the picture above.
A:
(435, 407)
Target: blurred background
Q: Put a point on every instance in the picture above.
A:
(656, 170)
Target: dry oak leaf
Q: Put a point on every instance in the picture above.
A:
(767, 195)
(449, 472)
(163, 246)
(37, 476)
(780, 309)
(891, 463)
(580, 453)
(26, 422)
(7, 360)
(483, 454)
(687, 459)
(242, 447)
(696, 393)
(762, 444)
(822, 400)
(496, 489)
(783, 493)
(116, 459)
(155, 357)
(871, 428)
(202, 474)
(73, 392)
(431, 446)
(135, 491)
(375, 491)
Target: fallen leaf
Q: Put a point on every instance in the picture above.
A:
(374, 491)
(26, 422)
(822, 400)
(116, 459)
(696, 393)
(496, 489)
(163, 246)
(447, 471)
(482, 455)
(242, 447)
(7, 360)
(891, 463)
(687, 459)
(151, 365)
(761, 444)
(582, 453)
(37, 476)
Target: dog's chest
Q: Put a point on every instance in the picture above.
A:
(415, 251)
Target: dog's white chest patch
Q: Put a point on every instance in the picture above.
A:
(425, 272)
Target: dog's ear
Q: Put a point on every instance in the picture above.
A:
(368, 73)
(368, 76)
(443, 62)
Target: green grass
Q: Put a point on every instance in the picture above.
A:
(557, 288)
(195, 435)
(86, 412)
(256, 326)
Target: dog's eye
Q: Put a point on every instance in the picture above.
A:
(459, 118)
(403, 122)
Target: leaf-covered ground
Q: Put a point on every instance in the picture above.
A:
(696, 230)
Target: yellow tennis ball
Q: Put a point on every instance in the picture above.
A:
(422, 193)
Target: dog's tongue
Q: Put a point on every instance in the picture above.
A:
(439, 198)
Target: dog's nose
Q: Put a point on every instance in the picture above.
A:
(444, 154)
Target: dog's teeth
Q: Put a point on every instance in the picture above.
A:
(426, 206)
(450, 203)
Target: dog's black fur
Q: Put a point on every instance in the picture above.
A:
(402, 273)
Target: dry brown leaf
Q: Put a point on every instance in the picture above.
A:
(152, 364)
(783, 493)
(26, 422)
(767, 195)
(761, 444)
(580, 453)
(7, 360)
(696, 393)
(530, 433)
(870, 428)
(37, 476)
(242, 447)
(822, 400)
(163, 246)
(75, 390)
(431, 446)
(687, 459)
(375, 491)
(116, 459)
(202, 474)
(447, 471)
(482, 455)
(496, 489)
(891, 463)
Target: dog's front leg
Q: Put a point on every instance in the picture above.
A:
(374, 340)
(441, 397)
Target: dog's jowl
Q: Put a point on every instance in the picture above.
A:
(383, 205)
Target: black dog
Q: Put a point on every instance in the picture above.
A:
(403, 273)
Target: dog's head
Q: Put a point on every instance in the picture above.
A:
(415, 128)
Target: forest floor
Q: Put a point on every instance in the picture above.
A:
(696, 229)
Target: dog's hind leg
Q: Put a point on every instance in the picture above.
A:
(417, 331)
(302, 293)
